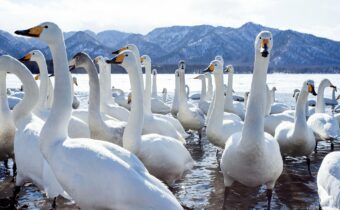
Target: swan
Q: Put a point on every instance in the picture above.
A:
(190, 117)
(77, 127)
(229, 104)
(107, 104)
(203, 104)
(164, 157)
(210, 87)
(324, 126)
(164, 94)
(219, 130)
(153, 123)
(7, 125)
(297, 139)
(75, 102)
(276, 107)
(328, 181)
(103, 166)
(31, 166)
(253, 157)
(111, 131)
(119, 97)
(329, 101)
(146, 62)
(157, 105)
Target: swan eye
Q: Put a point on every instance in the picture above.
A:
(126, 55)
(260, 37)
(45, 26)
(33, 53)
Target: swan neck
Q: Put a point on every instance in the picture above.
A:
(44, 86)
(4, 108)
(182, 95)
(228, 100)
(154, 86)
(105, 84)
(300, 112)
(133, 129)
(253, 130)
(210, 87)
(147, 90)
(320, 101)
(203, 91)
(218, 106)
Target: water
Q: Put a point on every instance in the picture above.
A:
(203, 188)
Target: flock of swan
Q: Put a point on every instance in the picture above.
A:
(124, 153)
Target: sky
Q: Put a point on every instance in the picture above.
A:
(321, 18)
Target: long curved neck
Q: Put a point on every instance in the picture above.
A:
(320, 102)
(56, 126)
(228, 100)
(333, 95)
(182, 96)
(176, 94)
(203, 90)
(105, 84)
(253, 130)
(300, 113)
(216, 116)
(43, 93)
(4, 108)
(210, 87)
(154, 86)
(133, 129)
(147, 90)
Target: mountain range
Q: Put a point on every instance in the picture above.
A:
(197, 45)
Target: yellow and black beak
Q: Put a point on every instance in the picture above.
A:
(32, 32)
(142, 59)
(37, 77)
(27, 57)
(311, 89)
(227, 70)
(264, 48)
(210, 68)
(116, 60)
(332, 86)
(72, 64)
(119, 51)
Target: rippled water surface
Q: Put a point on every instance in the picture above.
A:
(203, 188)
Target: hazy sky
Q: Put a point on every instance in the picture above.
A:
(321, 18)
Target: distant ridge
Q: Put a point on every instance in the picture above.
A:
(197, 45)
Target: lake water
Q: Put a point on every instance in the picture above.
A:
(203, 188)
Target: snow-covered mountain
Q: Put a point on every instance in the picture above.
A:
(195, 44)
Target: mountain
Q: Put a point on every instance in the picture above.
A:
(198, 45)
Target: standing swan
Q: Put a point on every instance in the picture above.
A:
(165, 157)
(253, 157)
(297, 139)
(103, 166)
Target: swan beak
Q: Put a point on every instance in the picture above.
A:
(129, 99)
(141, 59)
(210, 68)
(52, 75)
(32, 32)
(264, 48)
(72, 64)
(197, 77)
(75, 82)
(27, 57)
(337, 98)
(37, 77)
(119, 51)
(332, 86)
(311, 89)
(116, 60)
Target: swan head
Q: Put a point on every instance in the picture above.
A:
(181, 65)
(145, 60)
(154, 72)
(327, 83)
(274, 89)
(295, 91)
(125, 59)
(229, 69)
(219, 58)
(99, 60)
(34, 55)
(46, 31)
(75, 80)
(79, 60)
(264, 43)
(215, 66)
(309, 87)
(131, 47)
(201, 77)
(164, 90)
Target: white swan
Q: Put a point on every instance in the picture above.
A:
(107, 104)
(253, 157)
(153, 123)
(328, 181)
(219, 130)
(75, 102)
(210, 90)
(190, 117)
(146, 62)
(31, 166)
(229, 104)
(324, 126)
(297, 139)
(164, 157)
(111, 131)
(203, 103)
(275, 106)
(103, 166)
(157, 105)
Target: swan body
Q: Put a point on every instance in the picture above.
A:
(328, 181)
(164, 157)
(324, 126)
(119, 169)
(253, 157)
(107, 104)
(219, 130)
(297, 139)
